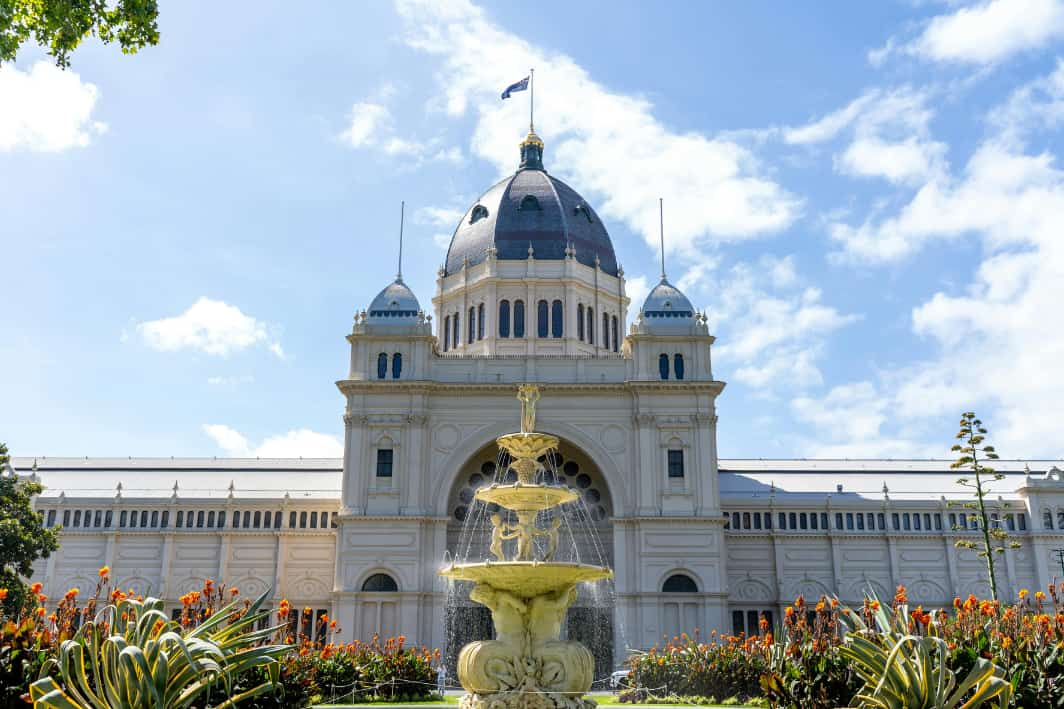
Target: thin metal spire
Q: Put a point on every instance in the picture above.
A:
(402, 215)
(531, 99)
(661, 225)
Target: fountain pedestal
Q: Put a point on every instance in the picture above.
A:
(527, 665)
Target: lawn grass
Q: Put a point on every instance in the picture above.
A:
(605, 699)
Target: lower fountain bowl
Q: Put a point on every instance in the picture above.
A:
(527, 579)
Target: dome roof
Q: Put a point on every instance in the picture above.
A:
(394, 302)
(531, 208)
(666, 301)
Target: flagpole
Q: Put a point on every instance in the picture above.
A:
(661, 226)
(531, 99)
(402, 214)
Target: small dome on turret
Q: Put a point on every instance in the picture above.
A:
(394, 305)
(666, 301)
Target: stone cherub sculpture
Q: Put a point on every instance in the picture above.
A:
(501, 532)
(566, 666)
(489, 666)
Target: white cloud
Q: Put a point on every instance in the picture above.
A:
(46, 109)
(889, 136)
(210, 326)
(997, 344)
(637, 290)
(609, 143)
(300, 443)
(983, 33)
(365, 124)
(774, 328)
(1038, 104)
(438, 216)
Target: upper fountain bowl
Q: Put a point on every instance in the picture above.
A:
(526, 498)
(527, 579)
(527, 445)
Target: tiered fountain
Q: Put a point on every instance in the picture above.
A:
(527, 666)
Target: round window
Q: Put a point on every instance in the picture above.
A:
(571, 468)
(583, 481)
(461, 512)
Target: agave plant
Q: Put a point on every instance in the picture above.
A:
(131, 656)
(903, 670)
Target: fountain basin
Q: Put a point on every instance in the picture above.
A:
(527, 579)
(526, 498)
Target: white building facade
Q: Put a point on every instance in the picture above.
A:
(531, 292)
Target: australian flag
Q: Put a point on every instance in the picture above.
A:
(521, 85)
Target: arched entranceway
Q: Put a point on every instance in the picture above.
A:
(590, 620)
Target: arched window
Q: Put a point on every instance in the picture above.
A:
(479, 212)
(504, 318)
(556, 320)
(530, 203)
(1047, 519)
(541, 319)
(447, 333)
(380, 583)
(663, 365)
(677, 365)
(580, 322)
(606, 330)
(382, 365)
(397, 365)
(615, 342)
(519, 318)
(590, 325)
(679, 583)
(471, 325)
(1060, 519)
(480, 321)
(455, 330)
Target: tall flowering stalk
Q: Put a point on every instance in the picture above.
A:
(994, 537)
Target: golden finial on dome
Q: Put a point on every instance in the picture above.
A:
(532, 139)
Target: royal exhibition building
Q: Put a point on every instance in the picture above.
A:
(531, 292)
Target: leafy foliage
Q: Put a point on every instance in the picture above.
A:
(61, 25)
(131, 655)
(912, 670)
(23, 540)
(994, 537)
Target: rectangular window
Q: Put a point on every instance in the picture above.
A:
(751, 623)
(190, 519)
(384, 463)
(792, 520)
(210, 518)
(313, 520)
(247, 519)
(824, 520)
(291, 520)
(1022, 521)
(180, 518)
(257, 519)
(860, 522)
(143, 518)
(938, 522)
(154, 518)
(221, 518)
(916, 522)
(895, 521)
(768, 520)
(97, 518)
(121, 518)
(51, 518)
(849, 520)
(324, 520)
(812, 520)
(302, 520)
(236, 520)
(803, 521)
(882, 519)
(735, 521)
(757, 520)
(166, 519)
(277, 519)
(905, 522)
(199, 519)
(675, 464)
(838, 520)
(927, 521)
(267, 519)
(77, 518)
(782, 521)
(737, 622)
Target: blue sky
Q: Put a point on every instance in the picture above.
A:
(866, 199)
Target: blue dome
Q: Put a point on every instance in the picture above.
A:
(394, 304)
(666, 301)
(531, 208)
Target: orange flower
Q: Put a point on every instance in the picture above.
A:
(789, 612)
(1023, 593)
(1006, 642)
(874, 605)
(900, 597)
(1039, 595)
(104, 570)
(956, 602)
(41, 597)
(72, 594)
(3, 594)
(41, 611)
(36, 588)
(234, 591)
(834, 603)
(820, 607)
